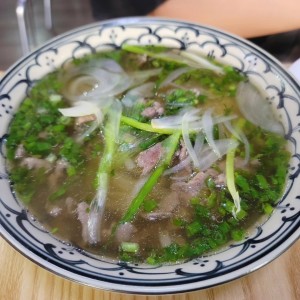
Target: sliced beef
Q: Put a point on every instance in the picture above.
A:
(165, 209)
(153, 111)
(58, 172)
(124, 232)
(20, 152)
(149, 158)
(192, 187)
(70, 205)
(182, 154)
(85, 119)
(36, 163)
(55, 211)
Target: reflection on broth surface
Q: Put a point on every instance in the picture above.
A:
(147, 154)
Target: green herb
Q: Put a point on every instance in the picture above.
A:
(149, 205)
(130, 247)
(180, 98)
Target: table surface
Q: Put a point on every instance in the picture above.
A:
(21, 279)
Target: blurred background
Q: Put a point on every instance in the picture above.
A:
(67, 15)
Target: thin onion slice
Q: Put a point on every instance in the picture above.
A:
(91, 82)
(207, 157)
(256, 109)
(176, 120)
(241, 137)
(139, 92)
(202, 62)
(191, 59)
(208, 127)
(174, 75)
(180, 166)
(199, 142)
(87, 133)
(138, 77)
(186, 136)
(195, 121)
(83, 108)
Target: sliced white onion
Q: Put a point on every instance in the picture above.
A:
(222, 119)
(197, 125)
(108, 64)
(195, 121)
(256, 109)
(186, 136)
(174, 75)
(193, 60)
(180, 166)
(202, 62)
(208, 157)
(83, 108)
(199, 142)
(208, 126)
(138, 77)
(109, 85)
(116, 110)
(142, 91)
(88, 132)
(103, 78)
(176, 120)
(241, 137)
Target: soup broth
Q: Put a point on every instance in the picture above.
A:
(146, 154)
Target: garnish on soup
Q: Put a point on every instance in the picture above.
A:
(147, 154)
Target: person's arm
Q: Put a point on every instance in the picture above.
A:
(247, 18)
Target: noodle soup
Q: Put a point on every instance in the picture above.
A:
(147, 154)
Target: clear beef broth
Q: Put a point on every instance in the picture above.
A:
(190, 210)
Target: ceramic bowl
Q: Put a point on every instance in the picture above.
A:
(265, 243)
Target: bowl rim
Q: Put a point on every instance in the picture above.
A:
(258, 263)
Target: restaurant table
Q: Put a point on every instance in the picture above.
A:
(22, 279)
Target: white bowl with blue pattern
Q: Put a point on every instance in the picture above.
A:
(265, 243)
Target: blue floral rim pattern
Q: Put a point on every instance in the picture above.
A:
(264, 244)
